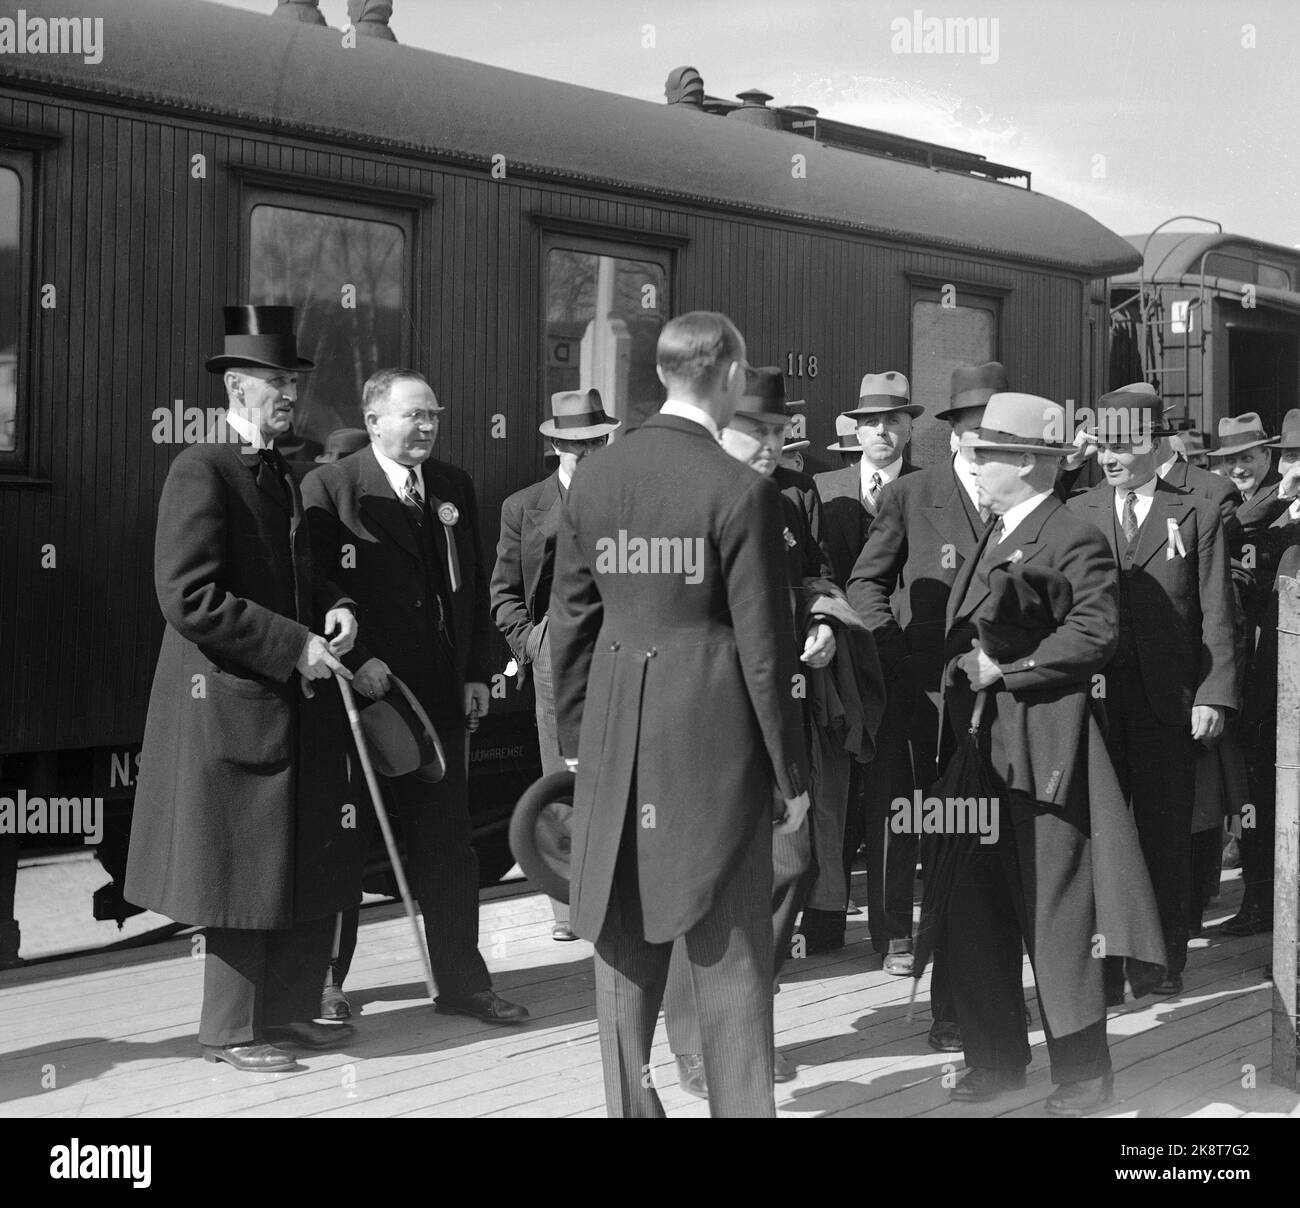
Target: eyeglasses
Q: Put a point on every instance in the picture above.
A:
(420, 417)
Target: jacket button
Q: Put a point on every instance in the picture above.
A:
(419, 603)
(651, 652)
(614, 646)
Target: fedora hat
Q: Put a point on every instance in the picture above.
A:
(258, 337)
(881, 392)
(795, 446)
(1241, 432)
(578, 415)
(1020, 423)
(1132, 411)
(846, 434)
(400, 737)
(764, 398)
(539, 833)
(343, 441)
(1290, 438)
(973, 386)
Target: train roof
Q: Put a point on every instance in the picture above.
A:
(1171, 255)
(207, 60)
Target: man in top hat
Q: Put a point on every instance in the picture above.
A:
(1063, 866)
(400, 530)
(239, 813)
(670, 613)
(1174, 680)
(525, 567)
(927, 529)
(846, 441)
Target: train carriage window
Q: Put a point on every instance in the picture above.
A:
(949, 329)
(345, 269)
(11, 278)
(603, 315)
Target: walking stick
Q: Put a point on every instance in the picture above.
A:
(354, 720)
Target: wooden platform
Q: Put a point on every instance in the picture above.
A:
(115, 1035)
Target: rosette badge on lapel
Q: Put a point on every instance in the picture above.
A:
(448, 514)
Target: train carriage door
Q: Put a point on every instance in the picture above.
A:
(603, 307)
(951, 326)
(346, 268)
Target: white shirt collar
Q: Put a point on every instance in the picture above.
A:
(964, 469)
(1146, 494)
(247, 429)
(396, 473)
(692, 412)
(887, 473)
(1163, 470)
(565, 479)
(1012, 517)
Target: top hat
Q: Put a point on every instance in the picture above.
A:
(259, 337)
(973, 386)
(764, 398)
(1241, 432)
(1026, 603)
(881, 392)
(846, 436)
(401, 738)
(540, 836)
(343, 441)
(1020, 423)
(1290, 438)
(577, 415)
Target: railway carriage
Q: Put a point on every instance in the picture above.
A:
(507, 236)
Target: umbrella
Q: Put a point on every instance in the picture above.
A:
(354, 720)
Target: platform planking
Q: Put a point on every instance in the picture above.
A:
(114, 1034)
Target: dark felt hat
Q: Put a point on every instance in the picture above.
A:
(344, 441)
(259, 337)
(764, 398)
(540, 835)
(1241, 432)
(973, 386)
(1290, 438)
(1026, 603)
(400, 737)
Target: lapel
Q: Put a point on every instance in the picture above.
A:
(1168, 505)
(1177, 476)
(541, 524)
(1100, 502)
(1025, 538)
(950, 518)
(1260, 500)
(266, 480)
(378, 502)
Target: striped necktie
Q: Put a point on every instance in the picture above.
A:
(412, 498)
(873, 491)
(1130, 521)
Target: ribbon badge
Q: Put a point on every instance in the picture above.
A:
(1175, 544)
(790, 542)
(448, 514)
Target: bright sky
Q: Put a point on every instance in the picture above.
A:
(1133, 110)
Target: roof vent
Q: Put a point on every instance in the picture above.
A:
(685, 86)
(305, 12)
(755, 110)
(370, 18)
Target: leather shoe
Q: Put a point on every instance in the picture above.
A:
(690, 1074)
(334, 1005)
(485, 1005)
(822, 931)
(945, 1037)
(783, 1069)
(312, 1035)
(1080, 1098)
(251, 1058)
(1173, 984)
(562, 933)
(898, 960)
(1246, 922)
(979, 1085)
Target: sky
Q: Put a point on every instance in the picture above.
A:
(1135, 111)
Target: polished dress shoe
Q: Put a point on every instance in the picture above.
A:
(312, 1035)
(486, 1005)
(979, 1085)
(898, 960)
(1173, 984)
(783, 1069)
(562, 933)
(334, 1005)
(251, 1058)
(690, 1074)
(945, 1037)
(1247, 922)
(1080, 1098)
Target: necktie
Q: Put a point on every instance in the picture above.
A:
(985, 513)
(411, 497)
(873, 490)
(1130, 521)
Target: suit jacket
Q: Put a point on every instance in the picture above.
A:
(845, 519)
(688, 669)
(237, 819)
(806, 556)
(525, 566)
(1086, 875)
(359, 528)
(1181, 606)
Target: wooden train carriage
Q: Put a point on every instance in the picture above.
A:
(1214, 320)
(506, 235)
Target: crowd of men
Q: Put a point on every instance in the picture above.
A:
(1099, 660)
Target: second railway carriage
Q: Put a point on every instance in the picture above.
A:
(508, 236)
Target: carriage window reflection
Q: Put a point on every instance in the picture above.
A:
(10, 301)
(943, 339)
(603, 318)
(346, 277)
